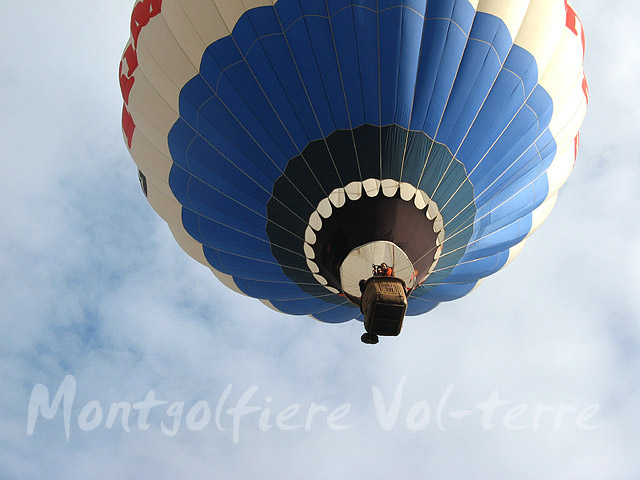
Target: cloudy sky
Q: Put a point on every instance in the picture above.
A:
(535, 375)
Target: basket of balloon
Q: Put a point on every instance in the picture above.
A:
(383, 304)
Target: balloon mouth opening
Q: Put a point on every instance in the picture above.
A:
(369, 223)
(379, 258)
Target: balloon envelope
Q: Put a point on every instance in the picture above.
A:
(293, 145)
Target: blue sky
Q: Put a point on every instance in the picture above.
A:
(94, 286)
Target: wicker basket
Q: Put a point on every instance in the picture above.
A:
(384, 304)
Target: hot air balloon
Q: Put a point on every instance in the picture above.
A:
(295, 146)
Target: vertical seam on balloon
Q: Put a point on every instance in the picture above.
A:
(451, 22)
(192, 26)
(270, 104)
(143, 48)
(306, 27)
(200, 215)
(192, 209)
(399, 57)
(228, 196)
(328, 18)
(495, 142)
(303, 18)
(284, 35)
(141, 74)
(477, 220)
(534, 143)
(502, 62)
(540, 175)
(215, 95)
(415, 88)
(379, 90)
(344, 94)
(541, 172)
(456, 233)
(244, 60)
(223, 155)
(364, 110)
(444, 109)
(309, 101)
(355, 31)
